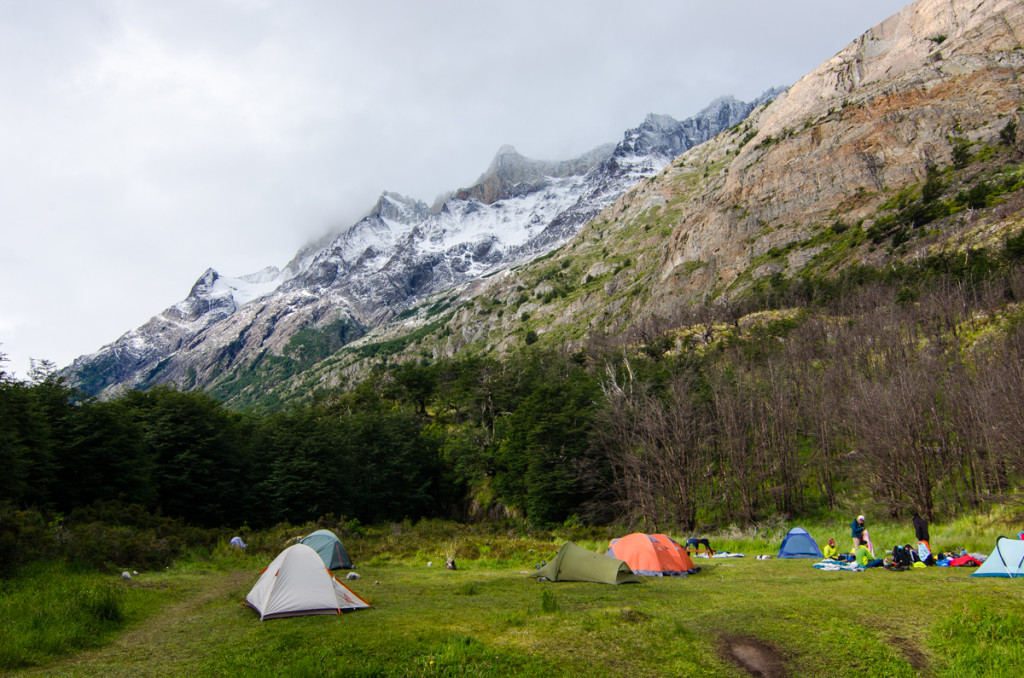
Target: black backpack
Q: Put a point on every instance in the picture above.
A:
(901, 556)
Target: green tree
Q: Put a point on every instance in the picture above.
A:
(202, 470)
(933, 186)
(961, 152)
(416, 383)
(1008, 135)
(105, 457)
(305, 459)
(32, 428)
(546, 440)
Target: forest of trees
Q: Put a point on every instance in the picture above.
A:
(901, 392)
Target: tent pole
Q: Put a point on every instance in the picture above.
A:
(1000, 552)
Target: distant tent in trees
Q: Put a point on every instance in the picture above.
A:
(296, 583)
(1006, 560)
(573, 563)
(799, 544)
(330, 549)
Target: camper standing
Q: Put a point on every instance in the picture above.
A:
(857, 530)
(920, 529)
(924, 547)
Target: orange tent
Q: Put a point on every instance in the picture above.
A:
(675, 547)
(649, 556)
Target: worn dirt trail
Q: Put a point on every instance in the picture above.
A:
(159, 636)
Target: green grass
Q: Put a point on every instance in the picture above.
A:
(53, 610)
(490, 619)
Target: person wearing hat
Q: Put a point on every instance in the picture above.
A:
(831, 551)
(857, 529)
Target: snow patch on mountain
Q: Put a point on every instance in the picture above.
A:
(400, 252)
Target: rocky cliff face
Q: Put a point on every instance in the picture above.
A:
(843, 139)
(768, 198)
(400, 253)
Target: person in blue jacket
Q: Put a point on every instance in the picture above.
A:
(857, 531)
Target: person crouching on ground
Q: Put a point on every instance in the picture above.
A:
(831, 551)
(696, 543)
(864, 558)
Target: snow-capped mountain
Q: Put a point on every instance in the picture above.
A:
(401, 252)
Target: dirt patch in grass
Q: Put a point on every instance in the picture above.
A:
(628, 614)
(910, 652)
(757, 658)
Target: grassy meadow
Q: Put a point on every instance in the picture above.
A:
(488, 618)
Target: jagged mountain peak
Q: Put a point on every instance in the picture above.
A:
(658, 122)
(213, 290)
(208, 278)
(390, 260)
(503, 153)
(511, 174)
(397, 207)
(659, 138)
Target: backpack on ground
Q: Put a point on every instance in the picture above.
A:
(901, 556)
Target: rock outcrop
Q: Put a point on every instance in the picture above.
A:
(868, 121)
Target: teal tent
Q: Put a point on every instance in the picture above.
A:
(1007, 560)
(329, 548)
(799, 544)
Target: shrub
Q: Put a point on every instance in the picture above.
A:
(961, 152)
(933, 185)
(23, 538)
(1008, 135)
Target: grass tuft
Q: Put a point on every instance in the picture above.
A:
(548, 602)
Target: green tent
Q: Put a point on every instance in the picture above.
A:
(573, 563)
(329, 548)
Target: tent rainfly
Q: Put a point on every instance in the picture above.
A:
(798, 544)
(649, 556)
(327, 544)
(679, 550)
(1007, 560)
(573, 563)
(296, 583)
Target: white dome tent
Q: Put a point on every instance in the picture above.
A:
(296, 583)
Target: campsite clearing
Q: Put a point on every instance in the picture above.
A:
(488, 619)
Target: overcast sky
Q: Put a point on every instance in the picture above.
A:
(142, 142)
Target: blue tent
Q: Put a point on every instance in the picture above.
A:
(798, 544)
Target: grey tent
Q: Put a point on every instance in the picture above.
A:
(573, 563)
(296, 583)
(329, 548)
(1007, 560)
